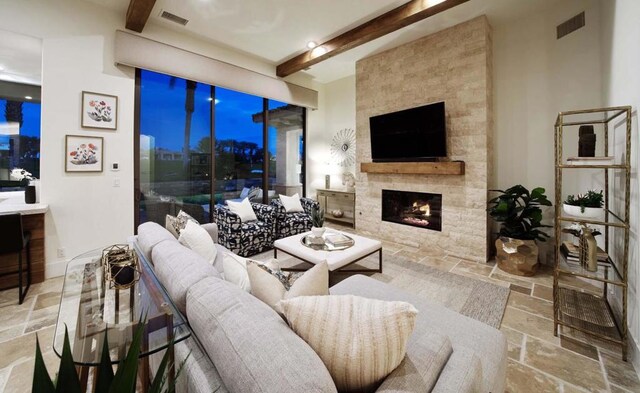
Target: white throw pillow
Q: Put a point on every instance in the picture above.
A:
(198, 239)
(235, 270)
(291, 203)
(243, 210)
(273, 285)
(360, 340)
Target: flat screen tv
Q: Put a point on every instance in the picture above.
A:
(416, 134)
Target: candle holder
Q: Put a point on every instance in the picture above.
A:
(120, 264)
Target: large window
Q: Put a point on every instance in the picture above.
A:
(201, 145)
(19, 140)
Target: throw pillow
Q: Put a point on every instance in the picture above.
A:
(271, 286)
(255, 194)
(291, 203)
(245, 192)
(360, 340)
(178, 223)
(235, 270)
(198, 239)
(243, 209)
(170, 225)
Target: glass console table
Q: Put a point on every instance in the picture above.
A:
(89, 308)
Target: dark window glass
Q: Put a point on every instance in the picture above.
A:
(176, 167)
(19, 140)
(175, 160)
(239, 145)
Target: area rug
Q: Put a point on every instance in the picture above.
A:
(482, 301)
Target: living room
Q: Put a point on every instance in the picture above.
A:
(275, 107)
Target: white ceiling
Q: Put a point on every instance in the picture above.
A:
(276, 30)
(20, 58)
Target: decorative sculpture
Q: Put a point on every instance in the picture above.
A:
(349, 180)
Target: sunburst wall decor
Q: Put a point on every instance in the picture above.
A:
(343, 147)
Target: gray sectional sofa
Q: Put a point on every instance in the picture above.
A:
(239, 344)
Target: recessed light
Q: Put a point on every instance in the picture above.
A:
(311, 44)
(28, 97)
(319, 51)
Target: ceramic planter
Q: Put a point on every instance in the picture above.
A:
(576, 211)
(317, 232)
(519, 257)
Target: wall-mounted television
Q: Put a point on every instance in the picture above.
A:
(416, 134)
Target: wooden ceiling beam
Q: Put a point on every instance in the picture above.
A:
(402, 16)
(138, 14)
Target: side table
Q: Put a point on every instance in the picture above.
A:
(89, 309)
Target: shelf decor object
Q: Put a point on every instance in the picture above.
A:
(343, 147)
(120, 264)
(595, 312)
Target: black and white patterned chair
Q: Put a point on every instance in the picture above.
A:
(289, 224)
(245, 238)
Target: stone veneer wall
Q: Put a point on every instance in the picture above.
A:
(453, 65)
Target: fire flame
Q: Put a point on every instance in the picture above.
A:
(426, 209)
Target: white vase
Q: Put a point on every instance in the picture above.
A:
(317, 232)
(576, 211)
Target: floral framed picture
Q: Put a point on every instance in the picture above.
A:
(83, 153)
(99, 111)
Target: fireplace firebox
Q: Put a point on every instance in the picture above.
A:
(418, 209)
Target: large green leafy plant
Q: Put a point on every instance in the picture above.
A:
(123, 381)
(519, 212)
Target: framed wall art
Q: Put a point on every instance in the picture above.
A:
(83, 153)
(99, 111)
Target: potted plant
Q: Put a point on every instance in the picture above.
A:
(122, 381)
(520, 216)
(587, 205)
(317, 220)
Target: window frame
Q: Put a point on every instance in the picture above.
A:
(212, 134)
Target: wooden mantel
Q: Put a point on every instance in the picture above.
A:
(414, 168)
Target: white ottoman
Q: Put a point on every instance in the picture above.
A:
(362, 248)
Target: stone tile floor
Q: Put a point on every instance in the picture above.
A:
(538, 361)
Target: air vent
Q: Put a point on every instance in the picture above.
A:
(174, 18)
(571, 25)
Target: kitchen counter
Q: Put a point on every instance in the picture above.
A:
(13, 202)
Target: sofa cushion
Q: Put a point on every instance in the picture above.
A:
(421, 367)
(252, 347)
(360, 340)
(149, 235)
(463, 332)
(178, 268)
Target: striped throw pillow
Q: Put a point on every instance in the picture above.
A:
(360, 340)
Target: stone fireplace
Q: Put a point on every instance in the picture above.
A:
(418, 209)
(431, 69)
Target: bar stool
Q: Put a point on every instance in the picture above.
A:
(14, 240)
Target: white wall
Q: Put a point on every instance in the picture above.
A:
(338, 111)
(535, 77)
(86, 211)
(621, 86)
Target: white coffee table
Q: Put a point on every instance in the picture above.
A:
(336, 260)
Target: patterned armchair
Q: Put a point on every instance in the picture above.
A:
(289, 224)
(245, 238)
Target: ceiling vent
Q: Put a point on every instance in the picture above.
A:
(570, 25)
(173, 18)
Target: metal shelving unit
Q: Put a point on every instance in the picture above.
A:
(590, 313)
